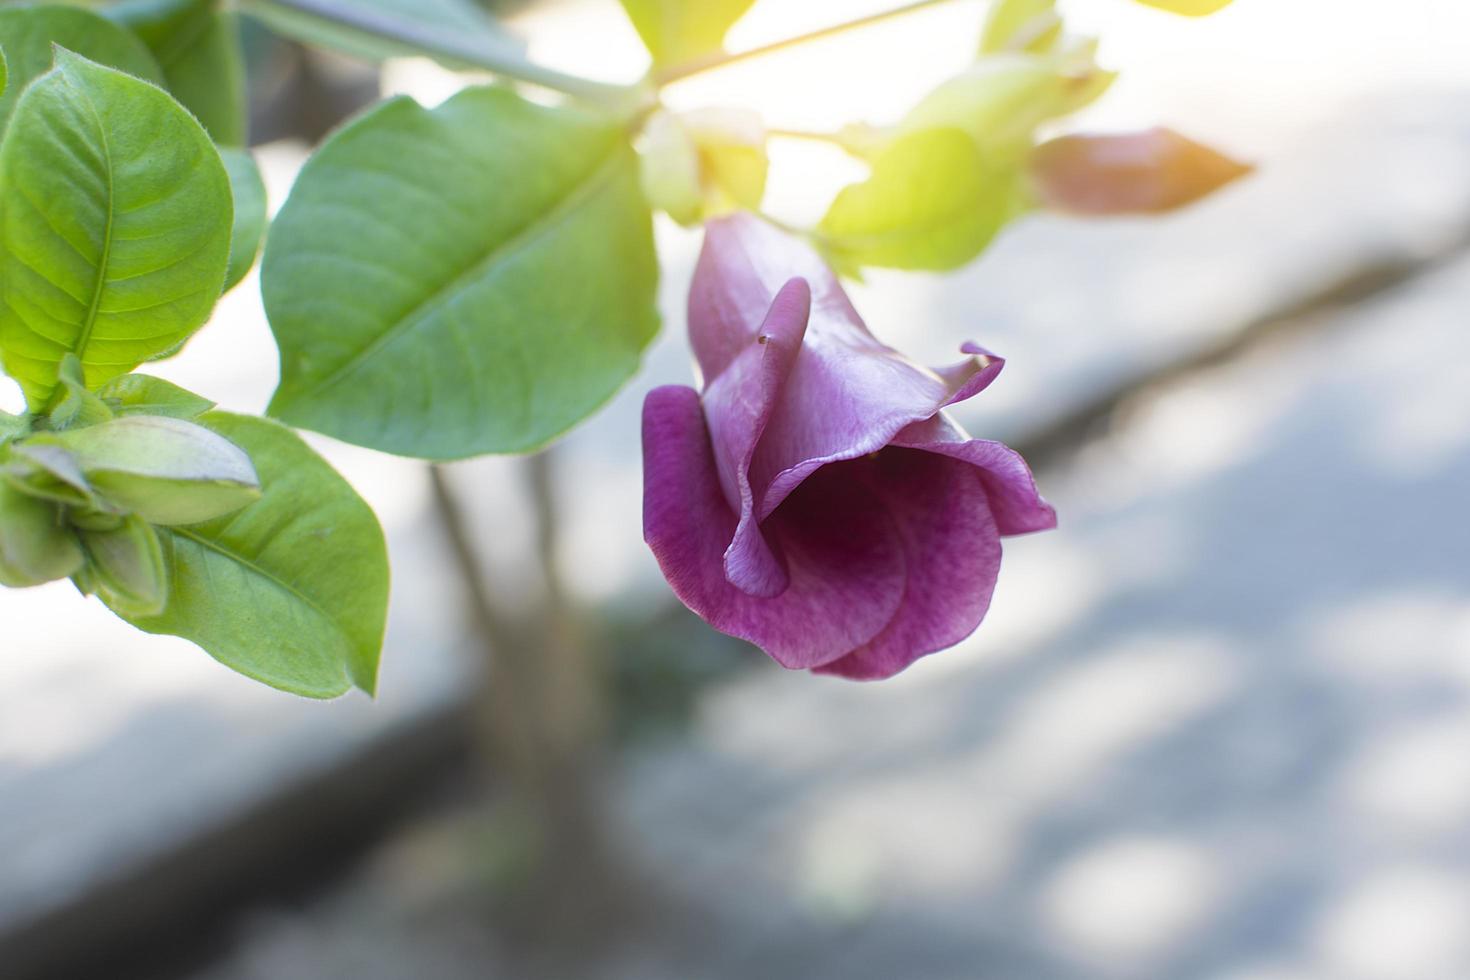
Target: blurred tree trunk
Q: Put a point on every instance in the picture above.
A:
(541, 718)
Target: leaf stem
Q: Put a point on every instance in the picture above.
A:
(720, 59)
(499, 60)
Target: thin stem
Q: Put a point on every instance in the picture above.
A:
(431, 41)
(719, 59)
(806, 134)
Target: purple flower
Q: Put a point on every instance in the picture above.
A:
(815, 500)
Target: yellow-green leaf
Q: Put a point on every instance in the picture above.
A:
(1021, 25)
(932, 202)
(680, 30)
(1189, 8)
(115, 220)
(1000, 100)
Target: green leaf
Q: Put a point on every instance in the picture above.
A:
(143, 394)
(1000, 100)
(28, 34)
(78, 407)
(677, 30)
(13, 427)
(932, 202)
(384, 28)
(292, 590)
(250, 213)
(198, 47)
(125, 568)
(472, 279)
(166, 470)
(1189, 8)
(4, 72)
(36, 546)
(115, 221)
(1021, 25)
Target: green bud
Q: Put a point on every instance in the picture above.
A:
(36, 546)
(732, 156)
(670, 169)
(165, 470)
(125, 568)
(78, 407)
(41, 469)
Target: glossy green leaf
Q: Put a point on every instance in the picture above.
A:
(166, 470)
(1021, 25)
(28, 35)
(472, 279)
(677, 30)
(4, 72)
(386, 28)
(115, 219)
(36, 546)
(932, 202)
(250, 213)
(125, 568)
(197, 44)
(1189, 8)
(143, 394)
(292, 590)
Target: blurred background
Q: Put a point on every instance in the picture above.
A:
(1216, 726)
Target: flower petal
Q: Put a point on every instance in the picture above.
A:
(743, 264)
(846, 564)
(847, 394)
(952, 547)
(1014, 498)
(972, 375)
(737, 406)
